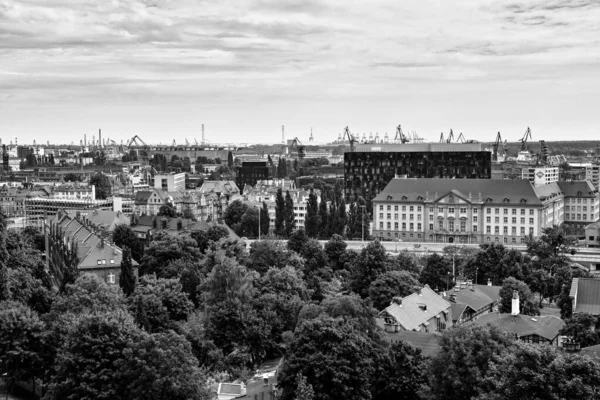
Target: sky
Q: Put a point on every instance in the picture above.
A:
(243, 68)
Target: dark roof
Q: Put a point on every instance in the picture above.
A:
(515, 190)
(457, 310)
(410, 314)
(573, 188)
(592, 351)
(476, 296)
(586, 293)
(429, 343)
(546, 326)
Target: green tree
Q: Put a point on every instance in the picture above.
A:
(527, 303)
(583, 329)
(72, 177)
(437, 272)
(402, 373)
(204, 239)
(312, 220)
(265, 219)
(368, 266)
(334, 250)
(304, 390)
(234, 213)
(391, 284)
(127, 278)
(230, 159)
(324, 219)
(457, 371)
(336, 359)
(102, 184)
(124, 236)
(297, 240)
(167, 210)
(4, 282)
(248, 226)
(340, 222)
(265, 254)
(166, 249)
(496, 263)
(289, 216)
(280, 213)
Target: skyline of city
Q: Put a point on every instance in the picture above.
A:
(159, 69)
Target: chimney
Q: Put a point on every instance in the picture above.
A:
(515, 303)
(102, 243)
(397, 300)
(489, 282)
(419, 292)
(100, 137)
(452, 298)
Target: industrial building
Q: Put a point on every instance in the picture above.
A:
(540, 175)
(466, 210)
(369, 168)
(252, 172)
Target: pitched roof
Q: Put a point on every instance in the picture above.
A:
(574, 188)
(410, 314)
(429, 343)
(592, 351)
(586, 295)
(497, 190)
(476, 296)
(546, 326)
(142, 196)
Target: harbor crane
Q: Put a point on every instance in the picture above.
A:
(523, 140)
(495, 147)
(297, 144)
(400, 136)
(350, 137)
(461, 138)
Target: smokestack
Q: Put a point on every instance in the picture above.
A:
(515, 304)
(282, 134)
(203, 141)
(85, 139)
(100, 137)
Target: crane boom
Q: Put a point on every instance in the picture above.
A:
(495, 147)
(401, 136)
(350, 137)
(523, 140)
(450, 137)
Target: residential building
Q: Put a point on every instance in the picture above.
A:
(73, 242)
(582, 205)
(585, 296)
(540, 175)
(369, 168)
(252, 172)
(465, 210)
(422, 311)
(469, 301)
(220, 193)
(592, 235)
(538, 329)
(150, 202)
(263, 385)
(96, 220)
(170, 182)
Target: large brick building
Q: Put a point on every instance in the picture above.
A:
(372, 166)
(465, 210)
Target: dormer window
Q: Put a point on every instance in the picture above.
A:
(523, 200)
(506, 200)
(420, 198)
(488, 200)
(404, 198)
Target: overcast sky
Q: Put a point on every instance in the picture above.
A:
(161, 68)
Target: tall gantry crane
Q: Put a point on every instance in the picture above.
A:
(400, 136)
(523, 140)
(461, 138)
(495, 147)
(350, 138)
(297, 144)
(442, 139)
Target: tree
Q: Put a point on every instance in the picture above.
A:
(583, 329)
(402, 373)
(265, 219)
(124, 236)
(312, 221)
(437, 272)
(496, 263)
(334, 250)
(527, 303)
(457, 371)
(289, 216)
(554, 244)
(304, 390)
(234, 213)
(404, 261)
(336, 359)
(166, 249)
(167, 210)
(4, 282)
(102, 184)
(265, 254)
(297, 240)
(230, 159)
(72, 177)
(280, 213)
(370, 264)
(391, 284)
(340, 222)
(530, 371)
(204, 239)
(323, 218)
(127, 278)
(248, 226)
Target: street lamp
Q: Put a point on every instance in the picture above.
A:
(447, 276)
(476, 269)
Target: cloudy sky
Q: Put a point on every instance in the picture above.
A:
(244, 68)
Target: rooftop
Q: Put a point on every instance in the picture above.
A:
(586, 295)
(546, 326)
(578, 189)
(417, 308)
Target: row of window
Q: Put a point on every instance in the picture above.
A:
(505, 220)
(572, 208)
(461, 239)
(579, 201)
(461, 210)
(514, 211)
(578, 217)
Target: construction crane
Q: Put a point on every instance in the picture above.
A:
(187, 142)
(523, 140)
(461, 138)
(544, 153)
(495, 147)
(174, 143)
(442, 139)
(296, 143)
(450, 137)
(136, 140)
(195, 141)
(350, 137)
(400, 136)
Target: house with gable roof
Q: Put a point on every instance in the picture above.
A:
(422, 311)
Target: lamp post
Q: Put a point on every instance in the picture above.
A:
(453, 271)
(447, 277)
(362, 224)
(476, 269)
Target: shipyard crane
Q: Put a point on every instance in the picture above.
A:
(400, 136)
(187, 142)
(174, 143)
(450, 137)
(195, 141)
(495, 147)
(523, 140)
(296, 143)
(350, 137)
(137, 141)
(442, 140)
(461, 138)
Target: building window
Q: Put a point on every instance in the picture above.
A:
(496, 230)
(463, 226)
(474, 211)
(522, 230)
(514, 211)
(441, 225)
(496, 239)
(395, 208)
(395, 226)
(497, 220)
(412, 226)
(530, 221)
(531, 211)
(381, 225)
(474, 228)
(506, 211)
(488, 229)
(404, 226)
(567, 208)
(505, 240)
(451, 225)
(440, 210)
(505, 220)
(380, 207)
(488, 211)
(419, 209)
(584, 208)
(474, 219)
(505, 230)
(514, 220)
(531, 231)
(389, 225)
(395, 216)
(523, 220)
(411, 216)
(430, 209)
(450, 210)
(380, 215)
(430, 227)
(418, 226)
(403, 208)
(488, 220)
(411, 208)
(514, 231)
(522, 211)
(389, 216)
(497, 211)
(389, 208)
(430, 217)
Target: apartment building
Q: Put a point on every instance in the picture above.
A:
(170, 182)
(540, 175)
(582, 205)
(465, 210)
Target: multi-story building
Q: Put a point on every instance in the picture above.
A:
(465, 210)
(372, 166)
(170, 182)
(540, 175)
(251, 172)
(150, 202)
(582, 205)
